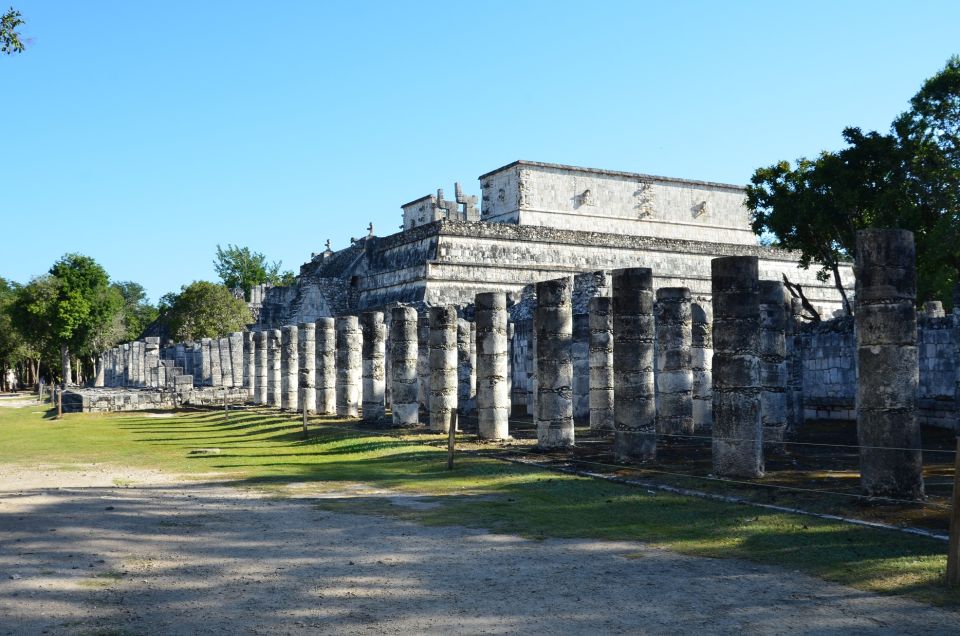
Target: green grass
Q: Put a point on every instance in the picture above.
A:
(265, 450)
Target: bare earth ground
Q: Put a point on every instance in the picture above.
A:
(106, 550)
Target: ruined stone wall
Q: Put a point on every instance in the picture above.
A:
(830, 374)
(450, 262)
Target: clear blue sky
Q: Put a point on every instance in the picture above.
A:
(145, 133)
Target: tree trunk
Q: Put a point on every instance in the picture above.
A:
(843, 292)
(797, 292)
(65, 372)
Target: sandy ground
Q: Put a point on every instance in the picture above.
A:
(109, 550)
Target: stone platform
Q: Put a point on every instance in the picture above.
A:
(117, 399)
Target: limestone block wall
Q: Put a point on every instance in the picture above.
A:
(586, 199)
(829, 369)
(450, 262)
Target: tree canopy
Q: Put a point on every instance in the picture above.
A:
(204, 310)
(241, 268)
(10, 41)
(908, 178)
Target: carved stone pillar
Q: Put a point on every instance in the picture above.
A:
(887, 364)
(493, 392)
(635, 437)
(406, 405)
(737, 429)
(553, 329)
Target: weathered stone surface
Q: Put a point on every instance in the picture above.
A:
(795, 403)
(226, 362)
(674, 378)
(443, 366)
(275, 377)
(290, 369)
(423, 360)
(634, 397)
(349, 342)
(774, 412)
(493, 392)
(553, 326)
(216, 363)
(701, 361)
(601, 364)
(261, 368)
(737, 428)
(326, 366)
(466, 402)
(236, 359)
(307, 354)
(206, 362)
(406, 404)
(151, 357)
(888, 373)
(374, 374)
(250, 363)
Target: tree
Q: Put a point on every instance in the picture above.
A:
(241, 268)
(10, 41)
(137, 312)
(906, 179)
(31, 312)
(204, 310)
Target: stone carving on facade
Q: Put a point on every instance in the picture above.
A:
(585, 198)
(701, 209)
(525, 191)
(644, 200)
(449, 208)
(469, 203)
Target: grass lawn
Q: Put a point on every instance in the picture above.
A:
(265, 449)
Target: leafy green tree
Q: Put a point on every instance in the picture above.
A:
(13, 347)
(907, 179)
(241, 268)
(137, 312)
(204, 310)
(10, 41)
(32, 315)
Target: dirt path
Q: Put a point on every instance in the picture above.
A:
(106, 551)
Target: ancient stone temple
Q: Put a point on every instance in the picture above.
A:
(535, 222)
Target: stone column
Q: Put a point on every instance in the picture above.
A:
(261, 368)
(737, 429)
(206, 363)
(249, 364)
(125, 379)
(933, 309)
(464, 367)
(580, 349)
(151, 358)
(226, 362)
(443, 366)
(511, 332)
(403, 334)
(348, 366)
(216, 373)
(701, 361)
(773, 361)
(275, 369)
(290, 365)
(674, 379)
(236, 359)
(423, 360)
(374, 378)
(601, 364)
(887, 364)
(307, 353)
(326, 366)
(553, 330)
(635, 412)
(493, 390)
